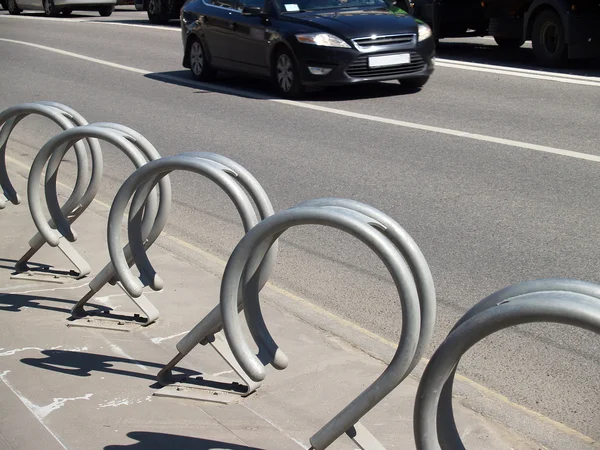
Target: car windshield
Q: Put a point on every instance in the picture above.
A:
(295, 6)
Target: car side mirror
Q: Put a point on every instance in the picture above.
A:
(252, 11)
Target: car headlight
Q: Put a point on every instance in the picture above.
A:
(424, 32)
(322, 40)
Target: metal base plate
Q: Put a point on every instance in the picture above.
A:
(104, 321)
(46, 275)
(191, 391)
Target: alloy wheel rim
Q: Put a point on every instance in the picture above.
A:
(196, 58)
(285, 73)
(47, 7)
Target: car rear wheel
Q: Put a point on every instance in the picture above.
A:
(13, 8)
(199, 65)
(49, 9)
(509, 43)
(286, 76)
(414, 83)
(548, 39)
(156, 15)
(106, 11)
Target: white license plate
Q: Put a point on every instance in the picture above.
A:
(389, 60)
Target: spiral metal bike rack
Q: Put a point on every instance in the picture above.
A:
(66, 118)
(234, 180)
(569, 302)
(397, 251)
(135, 147)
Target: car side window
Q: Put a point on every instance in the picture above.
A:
(223, 3)
(242, 3)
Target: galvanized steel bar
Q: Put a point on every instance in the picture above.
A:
(568, 302)
(371, 232)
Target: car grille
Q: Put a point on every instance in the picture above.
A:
(360, 67)
(376, 41)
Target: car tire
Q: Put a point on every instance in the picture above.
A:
(50, 10)
(12, 7)
(286, 76)
(199, 64)
(156, 14)
(3, 4)
(548, 39)
(414, 83)
(106, 11)
(66, 12)
(509, 43)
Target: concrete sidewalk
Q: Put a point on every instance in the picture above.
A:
(84, 388)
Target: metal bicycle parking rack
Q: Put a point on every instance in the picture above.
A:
(405, 263)
(244, 190)
(563, 301)
(66, 118)
(147, 192)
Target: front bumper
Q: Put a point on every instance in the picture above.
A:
(350, 66)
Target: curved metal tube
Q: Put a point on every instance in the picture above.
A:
(63, 116)
(569, 308)
(152, 172)
(57, 145)
(449, 436)
(362, 227)
(63, 224)
(139, 244)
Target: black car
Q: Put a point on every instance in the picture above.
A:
(301, 43)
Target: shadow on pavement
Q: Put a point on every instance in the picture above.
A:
(82, 364)
(161, 441)
(15, 302)
(11, 265)
(259, 89)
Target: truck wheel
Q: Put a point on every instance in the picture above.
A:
(548, 39)
(509, 43)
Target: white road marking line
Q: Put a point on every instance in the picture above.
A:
(340, 112)
(518, 74)
(516, 69)
(136, 25)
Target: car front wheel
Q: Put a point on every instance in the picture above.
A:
(199, 65)
(13, 9)
(286, 76)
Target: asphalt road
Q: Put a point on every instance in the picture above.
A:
(487, 210)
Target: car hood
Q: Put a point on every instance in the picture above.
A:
(357, 23)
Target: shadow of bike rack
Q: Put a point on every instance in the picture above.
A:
(569, 302)
(405, 263)
(244, 190)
